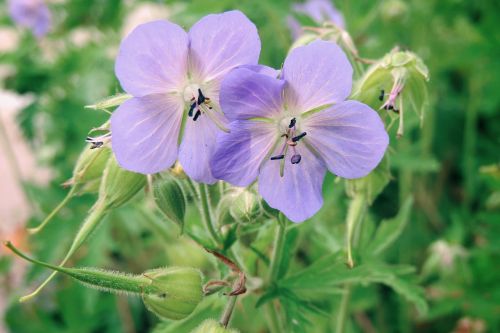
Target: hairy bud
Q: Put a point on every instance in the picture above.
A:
(170, 199)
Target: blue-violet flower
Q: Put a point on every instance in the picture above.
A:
(288, 131)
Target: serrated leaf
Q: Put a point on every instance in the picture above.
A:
(389, 230)
(330, 272)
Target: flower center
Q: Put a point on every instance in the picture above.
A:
(291, 138)
(198, 102)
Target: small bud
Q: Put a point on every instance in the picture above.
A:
(170, 199)
(109, 102)
(239, 204)
(393, 10)
(212, 326)
(119, 185)
(372, 184)
(174, 292)
(402, 77)
(89, 169)
(171, 293)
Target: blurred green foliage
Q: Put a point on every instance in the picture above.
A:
(455, 213)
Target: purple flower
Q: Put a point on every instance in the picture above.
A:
(288, 131)
(32, 14)
(320, 11)
(174, 78)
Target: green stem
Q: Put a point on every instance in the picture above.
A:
(91, 222)
(343, 313)
(279, 241)
(228, 311)
(357, 209)
(273, 318)
(206, 213)
(56, 210)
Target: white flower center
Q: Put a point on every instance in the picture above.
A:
(191, 92)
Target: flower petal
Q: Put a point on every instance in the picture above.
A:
(145, 131)
(198, 146)
(247, 94)
(220, 42)
(316, 74)
(349, 136)
(240, 153)
(298, 194)
(153, 59)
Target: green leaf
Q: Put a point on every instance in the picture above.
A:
(326, 274)
(389, 230)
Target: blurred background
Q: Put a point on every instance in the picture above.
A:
(450, 165)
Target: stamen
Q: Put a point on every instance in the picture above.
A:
(382, 94)
(196, 115)
(201, 98)
(191, 108)
(298, 137)
(96, 145)
(277, 157)
(296, 159)
(292, 123)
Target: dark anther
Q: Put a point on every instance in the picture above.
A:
(201, 98)
(292, 123)
(196, 115)
(96, 145)
(277, 157)
(298, 137)
(191, 108)
(382, 94)
(296, 159)
(389, 107)
(395, 110)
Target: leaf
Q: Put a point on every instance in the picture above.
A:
(389, 230)
(328, 273)
(291, 239)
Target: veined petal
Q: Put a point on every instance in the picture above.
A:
(298, 194)
(316, 74)
(153, 59)
(198, 146)
(145, 131)
(240, 152)
(247, 94)
(221, 42)
(349, 136)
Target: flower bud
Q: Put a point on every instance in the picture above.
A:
(394, 84)
(393, 10)
(89, 169)
(174, 292)
(171, 293)
(109, 102)
(212, 326)
(246, 205)
(372, 184)
(170, 200)
(119, 185)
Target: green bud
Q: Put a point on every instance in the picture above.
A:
(393, 10)
(119, 185)
(176, 291)
(395, 84)
(109, 102)
(171, 293)
(170, 200)
(89, 169)
(246, 205)
(212, 326)
(304, 39)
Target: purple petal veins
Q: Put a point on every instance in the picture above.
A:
(174, 75)
(292, 129)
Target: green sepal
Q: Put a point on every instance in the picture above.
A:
(170, 199)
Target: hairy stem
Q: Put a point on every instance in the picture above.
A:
(228, 311)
